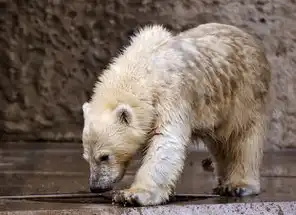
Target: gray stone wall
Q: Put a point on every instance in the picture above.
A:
(52, 51)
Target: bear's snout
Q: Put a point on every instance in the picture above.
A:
(99, 186)
(99, 181)
(95, 189)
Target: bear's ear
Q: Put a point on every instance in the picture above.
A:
(124, 113)
(85, 108)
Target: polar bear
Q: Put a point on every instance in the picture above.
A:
(164, 90)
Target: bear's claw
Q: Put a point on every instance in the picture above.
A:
(235, 191)
(137, 197)
(126, 198)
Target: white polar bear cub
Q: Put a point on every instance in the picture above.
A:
(163, 90)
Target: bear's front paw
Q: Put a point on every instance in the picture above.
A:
(138, 197)
(236, 190)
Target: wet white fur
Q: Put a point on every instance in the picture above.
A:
(163, 81)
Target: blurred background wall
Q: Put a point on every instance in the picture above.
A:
(52, 52)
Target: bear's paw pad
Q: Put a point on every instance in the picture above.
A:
(235, 190)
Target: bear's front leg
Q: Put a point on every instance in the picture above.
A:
(155, 181)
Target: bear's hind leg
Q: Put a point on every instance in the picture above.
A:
(238, 163)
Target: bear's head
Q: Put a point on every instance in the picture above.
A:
(111, 137)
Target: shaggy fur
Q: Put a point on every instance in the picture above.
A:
(162, 91)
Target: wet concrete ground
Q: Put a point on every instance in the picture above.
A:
(46, 168)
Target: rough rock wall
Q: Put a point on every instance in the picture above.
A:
(52, 51)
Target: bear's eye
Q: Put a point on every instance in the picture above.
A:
(104, 158)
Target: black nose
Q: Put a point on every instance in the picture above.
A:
(98, 189)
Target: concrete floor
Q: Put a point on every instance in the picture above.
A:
(46, 168)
